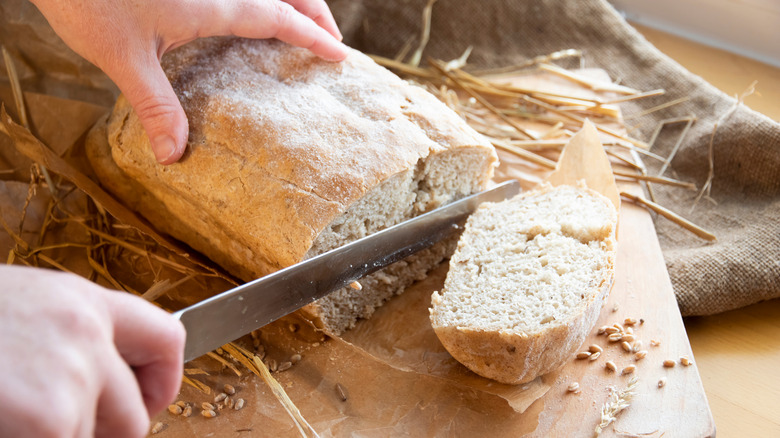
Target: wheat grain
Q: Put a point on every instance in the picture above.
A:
(583, 355)
(208, 413)
(157, 428)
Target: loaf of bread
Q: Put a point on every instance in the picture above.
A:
(290, 156)
(527, 282)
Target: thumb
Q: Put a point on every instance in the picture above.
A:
(150, 93)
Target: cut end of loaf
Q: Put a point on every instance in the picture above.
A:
(438, 180)
(526, 282)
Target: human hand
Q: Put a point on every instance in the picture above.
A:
(127, 38)
(78, 360)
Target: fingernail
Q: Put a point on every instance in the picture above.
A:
(344, 52)
(163, 147)
(340, 37)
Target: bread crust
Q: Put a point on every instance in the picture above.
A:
(513, 357)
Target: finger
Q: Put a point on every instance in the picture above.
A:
(270, 19)
(148, 90)
(151, 341)
(121, 411)
(319, 12)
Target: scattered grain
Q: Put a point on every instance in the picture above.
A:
(611, 330)
(208, 413)
(293, 328)
(229, 389)
(295, 358)
(654, 342)
(595, 349)
(615, 337)
(187, 411)
(661, 382)
(284, 366)
(175, 409)
(271, 365)
(221, 396)
(629, 331)
(341, 392)
(316, 344)
(685, 361)
(355, 285)
(602, 330)
(239, 404)
(626, 346)
(639, 355)
(668, 363)
(628, 370)
(229, 403)
(618, 326)
(157, 428)
(573, 387)
(615, 308)
(594, 356)
(206, 406)
(182, 404)
(637, 346)
(629, 321)
(628, 337)
(611, 365)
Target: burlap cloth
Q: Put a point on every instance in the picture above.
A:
(743, 209)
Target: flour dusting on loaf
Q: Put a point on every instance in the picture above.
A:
(526, 282)
(290, 156)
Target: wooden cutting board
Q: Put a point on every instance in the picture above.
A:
(642, 291)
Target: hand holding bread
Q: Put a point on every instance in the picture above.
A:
(127, 39)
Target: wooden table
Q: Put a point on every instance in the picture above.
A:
(737, 352)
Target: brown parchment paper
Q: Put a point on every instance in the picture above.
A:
(396, 377)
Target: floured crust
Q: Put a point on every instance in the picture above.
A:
(517, 356)
(324, 130)
(283, 145)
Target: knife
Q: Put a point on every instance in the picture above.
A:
(231, 314)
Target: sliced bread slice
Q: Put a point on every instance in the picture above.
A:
(527, 281)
